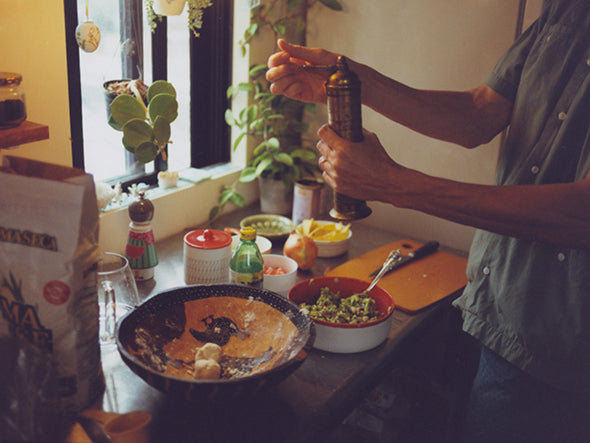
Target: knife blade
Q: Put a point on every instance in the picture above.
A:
(422, 251)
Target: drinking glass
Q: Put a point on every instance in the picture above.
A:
(117, 293)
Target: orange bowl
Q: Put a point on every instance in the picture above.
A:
(344, 337)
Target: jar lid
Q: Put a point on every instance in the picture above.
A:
(207, 239)
(248, 233)
(10, 78)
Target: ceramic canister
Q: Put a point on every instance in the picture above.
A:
(207, 253)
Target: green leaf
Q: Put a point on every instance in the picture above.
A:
(136, 132)
(280, 29)
(238, 140)
(126, 146)
(161, 131)
(248, 174)
(160, 87)
(230, 92)
(237, 199)
(273, 142)
(164, 105)
(264, 163)
(256, 70)
(229, 118)
(332, 4)
(113, 124)
(260, 148)
(213, 213)
(304, 154)
(126, 107)
(225, 196)
(251, 113)
(251, 30)
(245, 87)
(284, 158)
(146, 152)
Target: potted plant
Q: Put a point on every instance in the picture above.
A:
(281, 154)
(146, 128)
(155, 9)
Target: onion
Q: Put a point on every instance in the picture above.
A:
(302, 249)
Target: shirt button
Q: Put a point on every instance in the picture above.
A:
(535, 169)
(588, 62)
(486, 270)
(562, 115)
(561, 256)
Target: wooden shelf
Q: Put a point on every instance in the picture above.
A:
(26, 132)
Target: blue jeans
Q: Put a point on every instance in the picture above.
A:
(507, 405)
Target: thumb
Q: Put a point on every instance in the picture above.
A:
(314, 56)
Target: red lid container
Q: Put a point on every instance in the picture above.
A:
(207, 239)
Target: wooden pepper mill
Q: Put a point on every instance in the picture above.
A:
(344, 117)
(141, 249)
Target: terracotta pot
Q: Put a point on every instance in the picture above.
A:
(169, 7)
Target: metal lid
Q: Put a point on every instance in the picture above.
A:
(10, 78)
(207, 239)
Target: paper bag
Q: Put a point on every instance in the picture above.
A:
(48, 256)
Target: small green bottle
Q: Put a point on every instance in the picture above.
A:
(246, 266)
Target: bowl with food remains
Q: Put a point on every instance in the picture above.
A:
(346, 318)
(332, 238)
(214, 342)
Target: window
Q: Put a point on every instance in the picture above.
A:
(199, 68)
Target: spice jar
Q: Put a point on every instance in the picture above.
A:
(207, 253)
(12, 100)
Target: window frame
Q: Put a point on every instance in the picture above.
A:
(210, 64)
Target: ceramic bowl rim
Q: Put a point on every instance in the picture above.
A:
(348, 325)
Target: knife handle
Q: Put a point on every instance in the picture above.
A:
(427, 248)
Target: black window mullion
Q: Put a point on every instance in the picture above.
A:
(210, 76)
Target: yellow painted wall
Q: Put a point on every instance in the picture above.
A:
(32, 43)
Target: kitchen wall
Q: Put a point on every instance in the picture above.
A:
(431, 44)
(449, 44)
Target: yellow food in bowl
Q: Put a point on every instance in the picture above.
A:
(331, 232)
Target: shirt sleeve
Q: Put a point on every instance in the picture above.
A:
(505, 77)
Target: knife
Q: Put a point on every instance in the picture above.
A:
(422, 251)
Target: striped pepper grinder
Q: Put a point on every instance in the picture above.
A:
(141, 249)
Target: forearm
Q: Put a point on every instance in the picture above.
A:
(467, 118)
(557, 214)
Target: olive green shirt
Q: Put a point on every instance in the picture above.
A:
(526, 300)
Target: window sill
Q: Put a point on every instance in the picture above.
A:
(176, 209)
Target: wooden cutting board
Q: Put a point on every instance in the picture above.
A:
(415, 285)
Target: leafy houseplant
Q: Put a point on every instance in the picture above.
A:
(146, 129)
(194, 12)
(274, 122)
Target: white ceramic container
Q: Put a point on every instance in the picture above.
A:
(207, 253)
(281, 284)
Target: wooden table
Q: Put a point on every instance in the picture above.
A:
(303, 408)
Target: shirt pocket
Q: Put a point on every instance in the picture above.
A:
(551, 45)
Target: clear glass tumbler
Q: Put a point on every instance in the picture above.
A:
(117, 293)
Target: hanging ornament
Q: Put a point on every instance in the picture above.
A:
(87, 34)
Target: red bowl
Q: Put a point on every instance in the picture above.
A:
(343, 337)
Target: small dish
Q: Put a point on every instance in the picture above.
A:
(271, 226)
(281, 283)
(332, 248)
(340, 337)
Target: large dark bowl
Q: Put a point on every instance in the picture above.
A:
(264, 338)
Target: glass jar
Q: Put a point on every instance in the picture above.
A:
(12, 100)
